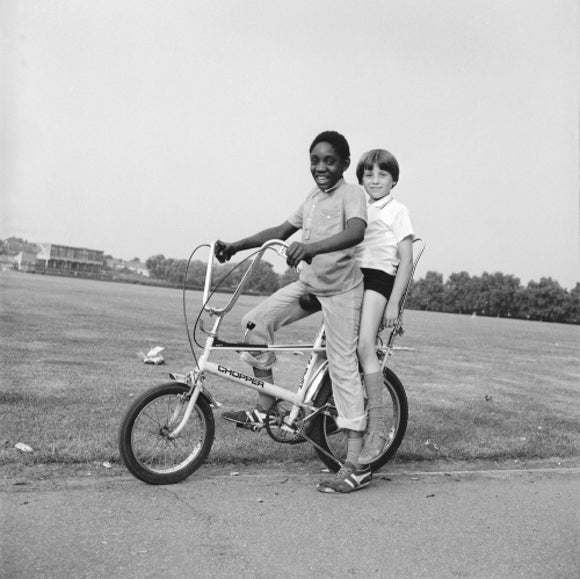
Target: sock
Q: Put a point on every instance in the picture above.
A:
(265, 401)
(354, 448)
(377, 412)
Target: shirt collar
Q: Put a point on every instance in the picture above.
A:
(334, 187)
(383, 202)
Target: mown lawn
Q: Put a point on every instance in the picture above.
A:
(479, 389)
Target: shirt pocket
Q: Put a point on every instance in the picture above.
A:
(330, 221)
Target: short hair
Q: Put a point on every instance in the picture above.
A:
(381, 157)
(337, 140)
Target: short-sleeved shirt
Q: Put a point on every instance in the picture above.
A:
(322, 215)
(389, 223)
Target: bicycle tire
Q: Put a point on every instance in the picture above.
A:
(325, 433)
(146, 450)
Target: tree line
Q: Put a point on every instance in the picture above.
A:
(491, 294)
(497, 295)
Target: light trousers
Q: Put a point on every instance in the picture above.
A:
(341, 316)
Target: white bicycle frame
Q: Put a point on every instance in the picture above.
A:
(313, 374)
(315, 367)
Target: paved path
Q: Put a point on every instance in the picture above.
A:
(268, 523)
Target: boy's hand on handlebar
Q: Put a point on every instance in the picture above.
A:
(224, 251)
(391, 315)
(298, 252)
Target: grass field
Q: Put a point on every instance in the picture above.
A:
(479, 389)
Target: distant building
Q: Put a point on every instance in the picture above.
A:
(25, 261)
(65, 260)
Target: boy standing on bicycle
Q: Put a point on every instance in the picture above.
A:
(333, 219)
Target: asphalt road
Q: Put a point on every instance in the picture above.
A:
(272, 523)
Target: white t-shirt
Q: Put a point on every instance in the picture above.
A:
(389, 223)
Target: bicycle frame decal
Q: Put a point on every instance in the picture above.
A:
(306, 370)
(253, 383)
(235, 374)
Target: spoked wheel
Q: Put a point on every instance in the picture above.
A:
(325, 432)
(146, 444)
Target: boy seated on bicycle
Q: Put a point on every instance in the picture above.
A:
(333, 219)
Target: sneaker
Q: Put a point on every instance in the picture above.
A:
(373, 448)
(347, 480)
(252, 419)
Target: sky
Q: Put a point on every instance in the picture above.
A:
(143, 127)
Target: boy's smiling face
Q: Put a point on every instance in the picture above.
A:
(326, 165)
(377, 182)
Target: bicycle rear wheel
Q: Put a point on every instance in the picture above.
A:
(145, 444)
(325, 432)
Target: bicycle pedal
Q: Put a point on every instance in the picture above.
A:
(287, 428)
(252, 427)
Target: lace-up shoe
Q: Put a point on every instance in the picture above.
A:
(347, 480)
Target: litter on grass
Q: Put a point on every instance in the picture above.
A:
(153, 356)
(23, 447)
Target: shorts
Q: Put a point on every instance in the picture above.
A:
(378, 281)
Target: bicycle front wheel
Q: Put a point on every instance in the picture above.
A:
(149, 450)
(333, 440)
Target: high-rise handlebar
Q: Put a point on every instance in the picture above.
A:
(277, 245)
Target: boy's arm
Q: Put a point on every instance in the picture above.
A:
(401, 280)
(224, 251)
(349, 237)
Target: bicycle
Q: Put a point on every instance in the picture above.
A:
(168, 431)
